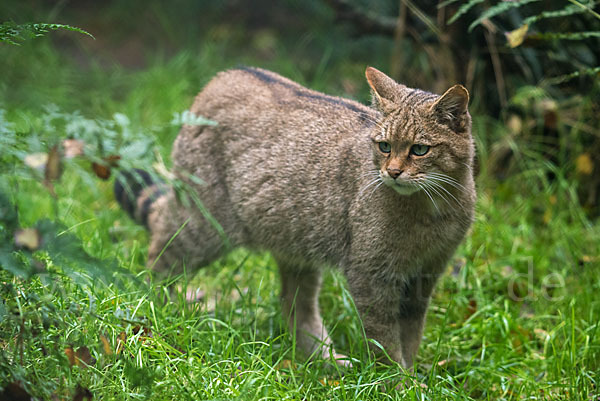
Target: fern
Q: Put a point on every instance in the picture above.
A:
(565, 12)
(567, 77)
(464, 9)
(566, 35)
(586, 7)
(498, 9)
(15, 34)
(446, 3)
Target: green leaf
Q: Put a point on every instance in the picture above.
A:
(8, 213)
(11, 264)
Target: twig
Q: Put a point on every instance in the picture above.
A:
(398, 54)
(497, 66)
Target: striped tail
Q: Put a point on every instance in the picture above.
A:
(136, 191)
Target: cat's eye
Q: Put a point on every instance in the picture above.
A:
(419, 150)
(385, 147)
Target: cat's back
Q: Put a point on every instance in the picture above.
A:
(279, 158)
(256, 96)
(262, 116)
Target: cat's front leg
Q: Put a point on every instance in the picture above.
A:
(413, 308)
(392, 312)
(377, 301)
(300, 286)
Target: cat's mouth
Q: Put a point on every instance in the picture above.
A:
(400, 186)
(404, 188)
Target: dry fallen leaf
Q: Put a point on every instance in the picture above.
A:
(514, 124)
(328, 382)
(541, 334)
(83, 357)
(82, 394)
(28, 238)
(516, 37)
(106, 345)
(102, 170)
(584, 164)
(285, 364)
(518, 335)
(36, 161)
(53, 169)
(73, 148)
(70, 353)
(120, 342)
(146, 332)
(547, 217)
(471, 308)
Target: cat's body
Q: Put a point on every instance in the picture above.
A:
(298, 173)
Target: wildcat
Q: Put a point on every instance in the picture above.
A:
(384, 193)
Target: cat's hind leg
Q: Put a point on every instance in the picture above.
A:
(300, 288)
(180, 237)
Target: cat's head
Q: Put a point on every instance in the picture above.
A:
(422, 142)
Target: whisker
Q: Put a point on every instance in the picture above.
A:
(438, 193)
(420, 185)
(438, 181)
(435, 184)
(372, 173)
(438, 185)
(433, 187)
(447, 179)
(369, 184)
(369, 177)
(374, 189)
(372, 120)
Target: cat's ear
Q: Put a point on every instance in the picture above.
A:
(383, 89)
(451, 108)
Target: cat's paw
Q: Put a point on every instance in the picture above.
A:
(341, 360)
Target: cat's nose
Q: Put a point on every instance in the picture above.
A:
(394, 172)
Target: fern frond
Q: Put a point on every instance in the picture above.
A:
(566, 35)
(15, 34)
(567, 77)
(565, 12)
(446, 3)
(499, 9)
(586, 7)
(464, 9)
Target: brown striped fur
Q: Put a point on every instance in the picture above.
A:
(302, 174)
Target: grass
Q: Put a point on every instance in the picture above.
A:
(516, 317)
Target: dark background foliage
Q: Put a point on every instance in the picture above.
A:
(544, 89)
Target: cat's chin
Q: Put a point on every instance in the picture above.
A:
(405, 189)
